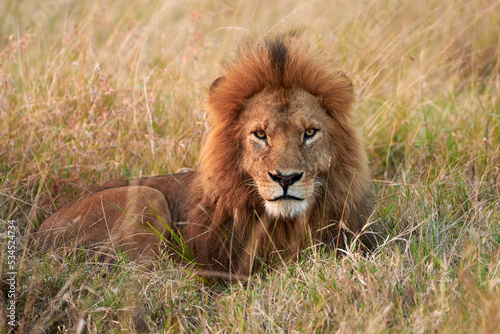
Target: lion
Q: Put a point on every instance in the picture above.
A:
(282, 169)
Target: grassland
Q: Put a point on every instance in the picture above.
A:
(93, 91)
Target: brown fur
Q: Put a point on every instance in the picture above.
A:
(232, 219)
(127, 215)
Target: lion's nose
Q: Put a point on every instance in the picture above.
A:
(285, 180)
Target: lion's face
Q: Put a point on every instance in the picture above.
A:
(286, 150)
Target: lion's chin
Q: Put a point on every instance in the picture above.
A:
(286, 208)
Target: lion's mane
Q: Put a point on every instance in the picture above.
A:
(225, 209)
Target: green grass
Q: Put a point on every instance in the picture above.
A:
(91, 92)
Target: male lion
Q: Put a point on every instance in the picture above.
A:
(282, 168)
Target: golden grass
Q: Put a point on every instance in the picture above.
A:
(91, 92)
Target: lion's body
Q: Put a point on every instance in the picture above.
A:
(282, 166)
(130, 215)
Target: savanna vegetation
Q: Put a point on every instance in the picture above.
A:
(92, 91)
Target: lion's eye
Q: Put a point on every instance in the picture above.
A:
(310, 133)
(260, 134)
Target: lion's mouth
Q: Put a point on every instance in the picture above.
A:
(286, 197)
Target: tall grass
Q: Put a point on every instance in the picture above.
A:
(93, 91)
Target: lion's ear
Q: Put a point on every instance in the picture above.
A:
(214, 85)
(343, 75)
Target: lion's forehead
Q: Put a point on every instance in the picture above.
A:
(279, 111)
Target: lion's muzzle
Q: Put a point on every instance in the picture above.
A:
(285, 181)
(286, 195)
